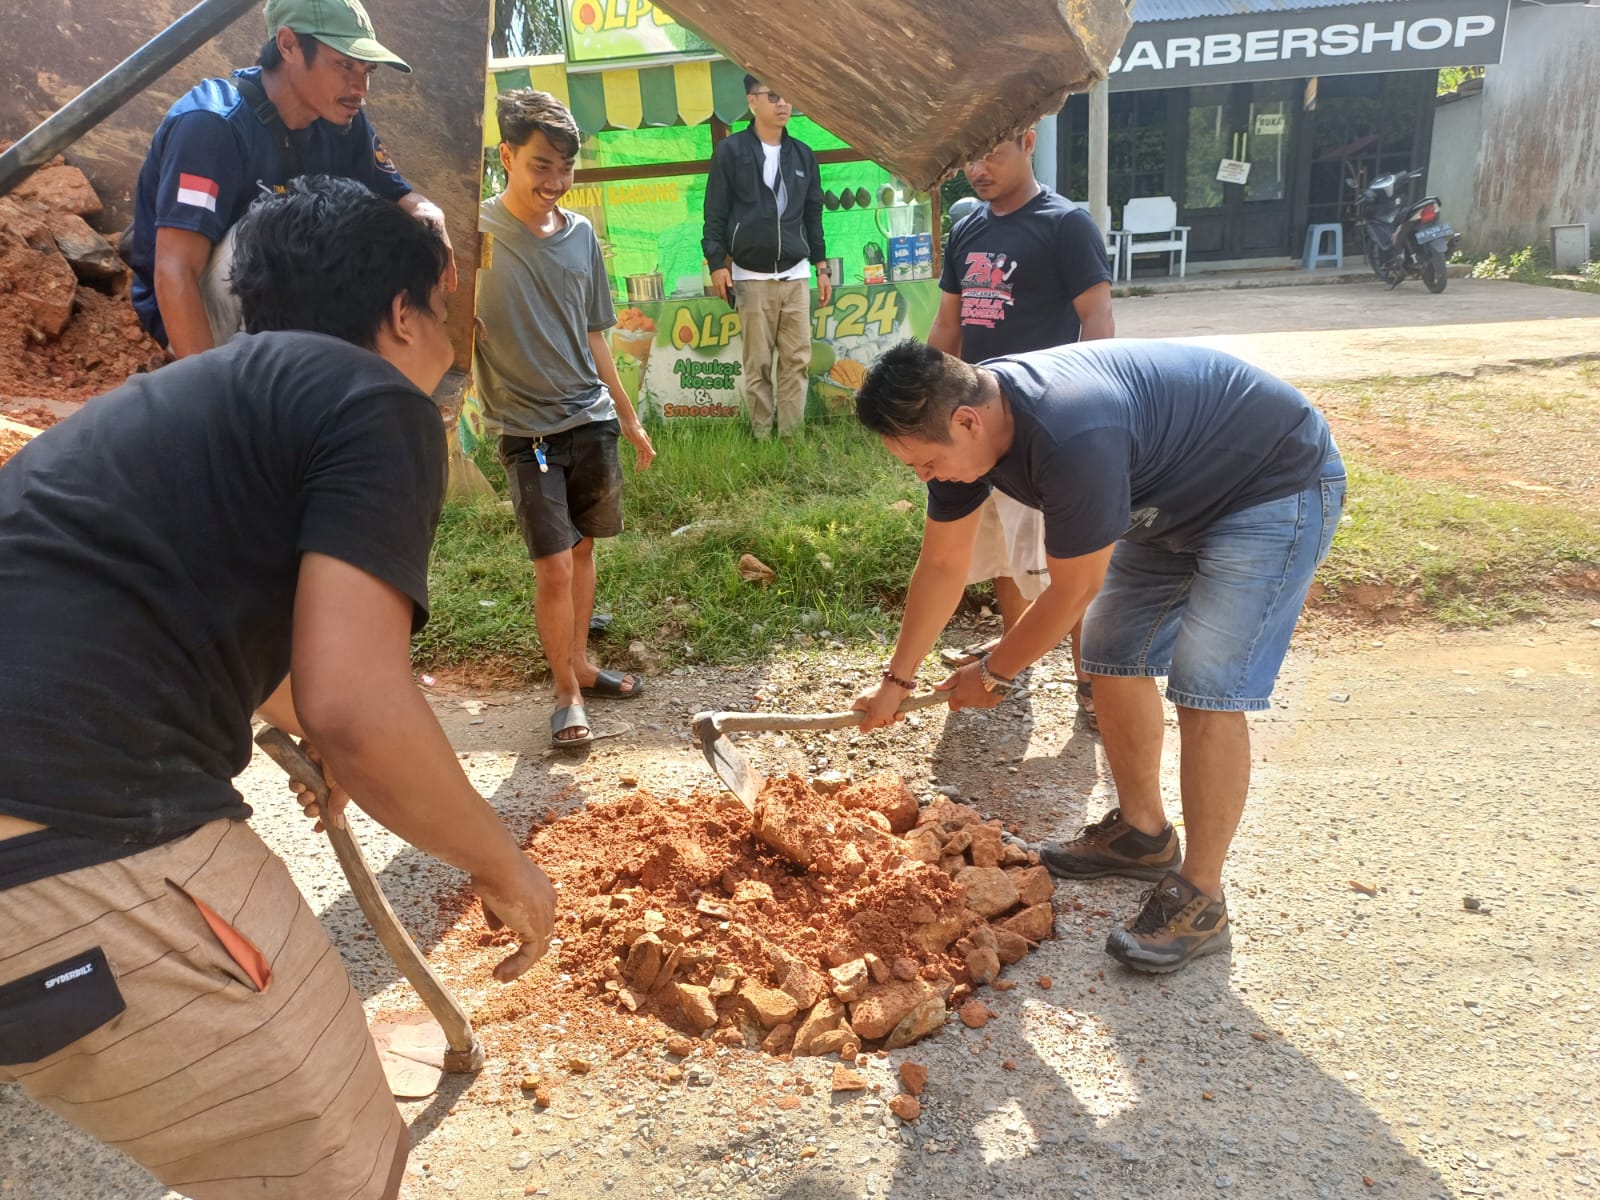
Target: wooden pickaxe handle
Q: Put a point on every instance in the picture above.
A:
(745, 722)
(464, 1053)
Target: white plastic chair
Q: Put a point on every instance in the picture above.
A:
(1155, 220)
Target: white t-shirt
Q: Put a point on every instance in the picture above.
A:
(769, 173)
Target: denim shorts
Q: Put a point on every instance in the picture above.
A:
(578, 495)
(1215, 617)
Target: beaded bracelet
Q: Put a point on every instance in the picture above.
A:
(908, 685)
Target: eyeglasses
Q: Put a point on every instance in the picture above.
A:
(772, 96)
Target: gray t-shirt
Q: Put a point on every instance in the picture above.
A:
(538, 300)
(1148, 441)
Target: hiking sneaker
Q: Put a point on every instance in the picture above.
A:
(1113, 847)
(1176, 922)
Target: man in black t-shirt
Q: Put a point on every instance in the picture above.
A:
(169, 554)
(1026, 271)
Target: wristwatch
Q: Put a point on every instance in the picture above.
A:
(990, 681)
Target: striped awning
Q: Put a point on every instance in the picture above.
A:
(687, 93)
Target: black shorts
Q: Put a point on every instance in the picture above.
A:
(578, 495)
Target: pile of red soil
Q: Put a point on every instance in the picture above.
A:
(819, 924)
(67, 329)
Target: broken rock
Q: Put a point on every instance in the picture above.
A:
(983, 964)
(846, 1080)
(769, 1006)
(974, 1014)
(987, 891)
(913, 1077)
(918, 1023)
(89, 254)
(1034, 886)
(850, 980)
(699, 1012)
(823, 1018)
(1010, 947)
(779, 1040)
(1036, 922)
(886, 1006)
(907, 1108)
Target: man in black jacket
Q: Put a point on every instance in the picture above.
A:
(764, 213)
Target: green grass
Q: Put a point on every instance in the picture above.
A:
(821, 511)
(1464, 558)
(840, 522)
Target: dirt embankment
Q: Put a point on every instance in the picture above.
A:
(67, 329)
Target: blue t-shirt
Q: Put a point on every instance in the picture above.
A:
(212, 156)
(1144, 440)
(1017, 275)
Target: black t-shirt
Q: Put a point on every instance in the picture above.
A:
(1017, 275)
(1149, 441)
(149, 550)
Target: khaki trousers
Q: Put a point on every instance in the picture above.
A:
(776, 317)
(220, 1087)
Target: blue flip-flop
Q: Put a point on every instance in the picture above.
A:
(570, 716)
(608, 684)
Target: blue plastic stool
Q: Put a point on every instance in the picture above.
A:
(1313, 254)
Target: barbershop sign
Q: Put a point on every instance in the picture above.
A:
(1415, 35)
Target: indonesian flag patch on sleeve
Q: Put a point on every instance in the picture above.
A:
(198, 191)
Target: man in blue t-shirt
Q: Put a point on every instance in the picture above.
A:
(1188, 497)
(1026, 271)
(299, 111)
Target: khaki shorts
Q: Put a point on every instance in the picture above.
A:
(122, 1009)
(1011, 543)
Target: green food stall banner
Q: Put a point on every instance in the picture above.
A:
(611, 30)
(681, 359)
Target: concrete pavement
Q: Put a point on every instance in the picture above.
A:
(1361, 330)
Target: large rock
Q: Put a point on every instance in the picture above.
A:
(825, 1016)
(89, 254)
(768, 1006)
(699, 1012)
(886, 1005)
(1010, 947)
(1036, 922)
(646, 957)
(988, 850)
(935, 936)
(806, 985)
(832, 1042)
(987, 891)
(64, 189)
(923, 845)
(917, 1024)
(1034, 886)
(983, 964)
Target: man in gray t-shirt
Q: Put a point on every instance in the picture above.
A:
(550, 389)
(1187, 499)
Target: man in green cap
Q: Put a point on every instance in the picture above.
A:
(298, 111)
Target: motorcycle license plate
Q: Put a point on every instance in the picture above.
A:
(1432, 233)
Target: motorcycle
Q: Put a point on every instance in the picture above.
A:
(1404, 239)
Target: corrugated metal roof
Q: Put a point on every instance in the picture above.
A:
(1183, 10)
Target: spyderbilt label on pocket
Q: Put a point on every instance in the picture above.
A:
(50, 1009)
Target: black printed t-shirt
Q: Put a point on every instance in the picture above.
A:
(1017, 275)
(149, 551)
(1149, 441)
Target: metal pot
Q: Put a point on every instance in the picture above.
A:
(645, 287)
